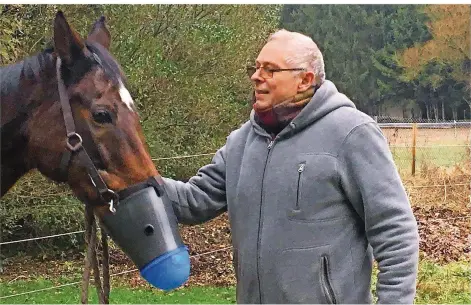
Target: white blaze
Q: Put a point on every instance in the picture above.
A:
(125, 96)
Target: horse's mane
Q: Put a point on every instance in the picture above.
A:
(29, 68)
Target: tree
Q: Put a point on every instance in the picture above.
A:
(359, 43)
(442, 63)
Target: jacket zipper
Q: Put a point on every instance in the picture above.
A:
(260, 222)
(300, 171)
(326, 285)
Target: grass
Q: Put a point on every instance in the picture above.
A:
(445, 156)
(442, 147)
(443, 284)
(119, 295)
(440, 284)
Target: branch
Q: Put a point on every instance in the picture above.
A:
(466, 55)
(167, 22)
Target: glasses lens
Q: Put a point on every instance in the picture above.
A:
(251, 70)
(266, 73)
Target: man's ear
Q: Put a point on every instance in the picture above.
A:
(307, 81)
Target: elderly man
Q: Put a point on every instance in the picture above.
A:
(311, 189)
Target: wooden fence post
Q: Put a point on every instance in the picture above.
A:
(414, 137)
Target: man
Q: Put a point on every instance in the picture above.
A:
(311, 191)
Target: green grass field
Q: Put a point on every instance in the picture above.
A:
(118, 295)
(436, 156)
(446, 284)
(439, 147)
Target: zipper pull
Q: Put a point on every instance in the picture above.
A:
(301, 167)
(270, 145)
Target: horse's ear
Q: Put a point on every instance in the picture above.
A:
(100, 33)
(67, 42)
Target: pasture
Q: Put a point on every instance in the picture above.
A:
(434, 147)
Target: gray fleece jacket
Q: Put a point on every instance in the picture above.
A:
(310, 209)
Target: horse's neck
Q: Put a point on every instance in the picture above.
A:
(13, 162)
(23, 86)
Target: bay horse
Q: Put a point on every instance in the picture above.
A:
(67, 113)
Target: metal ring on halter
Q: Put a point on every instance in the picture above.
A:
(76, 146)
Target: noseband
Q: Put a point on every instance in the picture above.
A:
(75, 146)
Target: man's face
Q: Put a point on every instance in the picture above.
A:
(283, 84)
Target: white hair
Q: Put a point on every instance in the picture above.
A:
(307, 54)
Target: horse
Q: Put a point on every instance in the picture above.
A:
(67, 113)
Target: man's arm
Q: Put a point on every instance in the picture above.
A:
(374, 187)
(203, 197)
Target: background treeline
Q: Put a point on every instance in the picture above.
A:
(185, 66)
(394, 55)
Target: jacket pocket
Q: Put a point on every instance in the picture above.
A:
(326, 281)
(315, 194)
(301, 167)
(297, 273)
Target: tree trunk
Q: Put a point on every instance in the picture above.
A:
(427, 107)
(443, 110)
(454, 110)
(469, 104)
(371, 109)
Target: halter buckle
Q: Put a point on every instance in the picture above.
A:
(111, 198)
(112, 209)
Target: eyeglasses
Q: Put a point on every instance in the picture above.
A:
(267, 72)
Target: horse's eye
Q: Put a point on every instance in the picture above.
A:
(102, 117)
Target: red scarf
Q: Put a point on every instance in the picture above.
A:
(274, 119)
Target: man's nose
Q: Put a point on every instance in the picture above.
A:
(256, 76)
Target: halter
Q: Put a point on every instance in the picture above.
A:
(75, 146)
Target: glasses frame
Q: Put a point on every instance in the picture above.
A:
(268, 72)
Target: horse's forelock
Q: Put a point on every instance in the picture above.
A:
(108, 63)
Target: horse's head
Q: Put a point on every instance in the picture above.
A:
(94, 142)
(104, 115)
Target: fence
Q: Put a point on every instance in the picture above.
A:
(419, 146)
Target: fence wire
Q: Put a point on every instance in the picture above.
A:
(39, 238)
(409, 189)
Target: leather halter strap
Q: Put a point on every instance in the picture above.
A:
(155, 182)
(75, 146)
